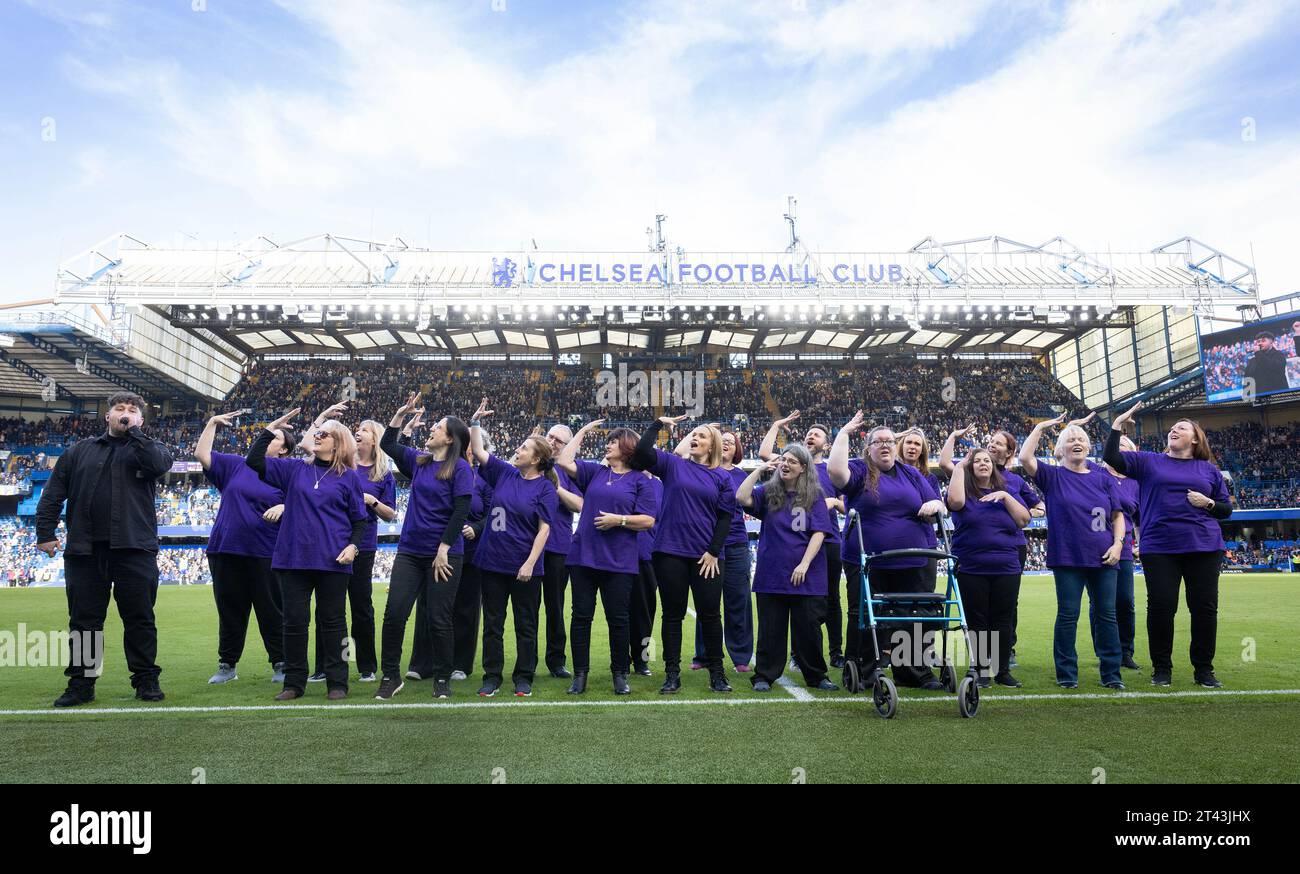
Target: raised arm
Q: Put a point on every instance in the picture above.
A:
(203, 451)
(1027, 458)
(745, 493)
(949, 449)
(256, 458)
(837, 465)
(476, 435)
(568, 458)
(957, 479)
(1112, 454)
(767, 448)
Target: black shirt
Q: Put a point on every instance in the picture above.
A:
(101, 506)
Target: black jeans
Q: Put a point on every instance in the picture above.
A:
(802, 615)
(1164, 572)
(889, 580)
(641, 614)
(737, 610)
(678, 577)
(615, 595)
(990, 602)
(555, 580)
(360, 591)
(331, 590)
(242, 584)
(525, 598)
(413, 580)
(130, 576)
(466, 613)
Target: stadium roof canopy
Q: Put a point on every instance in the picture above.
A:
(330, 294)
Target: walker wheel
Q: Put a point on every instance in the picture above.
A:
(968, 698)
(852, 676)
(885, 697)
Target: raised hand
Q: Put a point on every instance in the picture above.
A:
(785, 421)
(856, 422)
(1081, 422)
(409, 406)
(225, 419)
(674, 421)
(284, 420)
(1125, 417)
(481, 411)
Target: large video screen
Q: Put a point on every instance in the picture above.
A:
(1253, 361)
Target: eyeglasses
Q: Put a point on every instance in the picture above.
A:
(321, 435)
(882, 443)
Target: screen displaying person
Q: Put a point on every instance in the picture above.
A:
(1266, 369)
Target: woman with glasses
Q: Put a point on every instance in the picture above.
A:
(897, 508)
(430, 549)
(379, 489)
(790, 580)
(321, 531)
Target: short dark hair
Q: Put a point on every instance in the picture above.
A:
(127, 397)
(1264, 335)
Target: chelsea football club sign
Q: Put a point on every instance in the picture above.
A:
(506, 273)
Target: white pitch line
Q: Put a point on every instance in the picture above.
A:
(727, 701)
(657, 701)
(798, 693)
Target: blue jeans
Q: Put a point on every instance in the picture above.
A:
(1125, 610)
(1070, 585)
(737, 608)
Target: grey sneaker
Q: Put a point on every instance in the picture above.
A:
(458, 675)
(277, 672)
(413, 675)
(225, 673)
(316, 678)
(367, 678)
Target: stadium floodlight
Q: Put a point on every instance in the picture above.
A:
(291, 310)
(7, 341)
(223, 311)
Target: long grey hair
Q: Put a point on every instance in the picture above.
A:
(806, 489)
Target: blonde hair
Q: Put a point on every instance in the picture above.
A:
(1066, 433)
(345, 447)
(715, 449)
(379, 465)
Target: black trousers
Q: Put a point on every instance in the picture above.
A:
(641, 614)
(803, 616)
(130, 576)
(990, 602)
(1015, 611)
(412, 581)
(243, 584)
(678, 577)
(525, 598)
(1164, 572)
(466, 614)
(889, 580)
(555, 579)
(834, 612)
(360, 593)
(331, 591)
(615, 596)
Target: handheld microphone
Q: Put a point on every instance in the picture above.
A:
(125, 421)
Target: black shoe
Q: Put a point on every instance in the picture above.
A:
(1208, 680)
(983, 682)
(149, 690)
(388, 687)
(620, 685)
(318, 677)
(1068, 685)
(561, 673)
(718, 683)
(1130, 664)
(672, 683)
(488, 689)
(1162, 678)
(933, 685)
(1004, 678)
(523, 689)
(442, 688)
(579, 684)
(74, 695)
(837, 661)
(1117, 685)
(642, 671)
(826, 686)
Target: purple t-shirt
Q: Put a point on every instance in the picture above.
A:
(239, 528)
(627, 494)
(561, 536)
(693, 497)
(1023, 491)
(888, 518)
(1169, 522)
(645, 540)
(386, 491)
(781, 544)
(429, 507)
(986, 539)
(829, 491)
(479, 502)
(1128, 492)
(319, 509)
(1079, 507)
(738, 535)
(519, 507)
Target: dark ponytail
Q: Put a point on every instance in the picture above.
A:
(458, 433)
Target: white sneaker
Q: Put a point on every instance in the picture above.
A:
(458, 675)
(225, 673)
(366, 678)
(413, 675)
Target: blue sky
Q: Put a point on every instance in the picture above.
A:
(460, 125)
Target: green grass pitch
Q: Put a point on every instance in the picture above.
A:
(1037, 734)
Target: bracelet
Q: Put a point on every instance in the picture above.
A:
(474, 423)
(623, 522)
